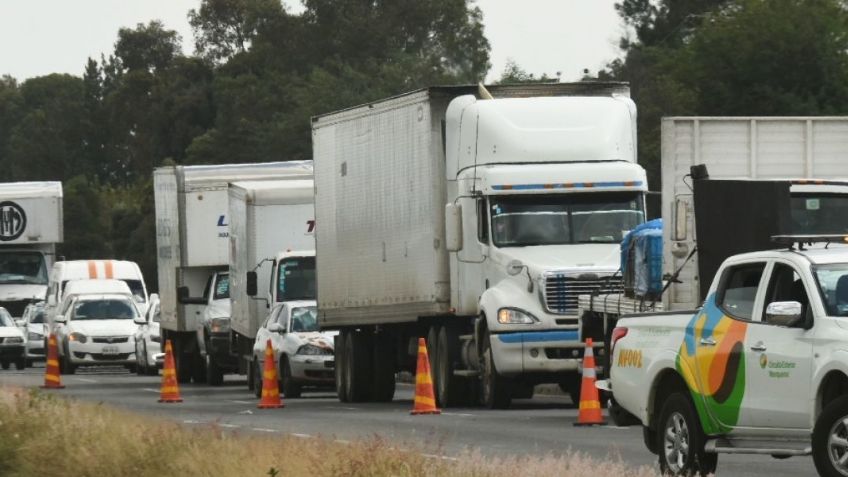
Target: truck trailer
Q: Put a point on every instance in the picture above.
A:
(474, 217)
(192, 239)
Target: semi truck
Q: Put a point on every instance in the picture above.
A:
(272, 243)
(472, 216)
(31, 226)
(192, 240)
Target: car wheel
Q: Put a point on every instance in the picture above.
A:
(214, 373)
(257, 378)
(20, 363)
(830, 439)
(290, 388)
(680, 440)
(496, 392)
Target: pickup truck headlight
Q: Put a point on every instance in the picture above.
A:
(14, 339)
(33, 336)
(78, 337)
(514, 316)
(219, 325)
(312, 350)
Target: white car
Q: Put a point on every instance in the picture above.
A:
(148, 347)
(33, 326)
(12, 347)
(303, 355)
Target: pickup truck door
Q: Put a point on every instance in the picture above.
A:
(779, 358)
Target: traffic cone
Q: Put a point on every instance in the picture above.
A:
(425, 402)
(270, 386)
(170, 390)
(590, 405)
(52, 379)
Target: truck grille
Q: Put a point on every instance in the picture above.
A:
(561, 290)
(15, 307)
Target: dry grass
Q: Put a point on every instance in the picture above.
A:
(41, 435)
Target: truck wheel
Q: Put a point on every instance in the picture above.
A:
(340, 347)
(289, 387)
(680, 440)
(257, 378)
(383, 383)
(451, 390)
(358, 367)
(496, 392)
(20, 363)
(214, 373)
(183, 362)
(830, 439)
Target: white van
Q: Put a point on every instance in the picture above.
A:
(64, 272)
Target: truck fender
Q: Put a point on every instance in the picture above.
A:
(835, 362)
(665, 361)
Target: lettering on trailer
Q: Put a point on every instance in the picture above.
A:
(13, 221)
(222, 222)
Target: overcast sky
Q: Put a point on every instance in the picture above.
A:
(543, 36)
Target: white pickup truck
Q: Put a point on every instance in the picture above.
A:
(760, 368)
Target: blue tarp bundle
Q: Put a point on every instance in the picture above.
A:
(641, 249)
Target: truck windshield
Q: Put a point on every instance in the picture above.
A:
(598, 217)
(222, 287)
(819, 213)
(22, 268)
(833, 285)
(296, 279)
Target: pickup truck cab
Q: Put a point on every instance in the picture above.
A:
(761, 367)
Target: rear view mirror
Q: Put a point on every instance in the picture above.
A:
(139, 320)
(784, 313)
(20, 323)
(275, 328)
(453, 227)
(252, 286)
(59, 319)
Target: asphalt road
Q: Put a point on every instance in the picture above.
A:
(539, 426)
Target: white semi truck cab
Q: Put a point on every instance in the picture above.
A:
(473, 218)
(30, 228)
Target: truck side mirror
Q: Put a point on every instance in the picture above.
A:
(679, 214)
(182, 294)
(252, 285)
(453, 227)
(784, 313)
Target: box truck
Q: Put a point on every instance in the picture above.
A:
(272, 245)
(474, 217)
(192, 240)
(30, 227)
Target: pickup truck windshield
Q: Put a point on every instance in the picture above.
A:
(222, 287)
(819, 213)
(22, 268)
(833, 284)
(596, 217)
(296, 279)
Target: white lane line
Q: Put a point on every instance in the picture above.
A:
(302, 436)
(615, 427)
(460, 414)
(240, 402)
(260, 429)
(86, 380)
(343, 408)
(151, 390)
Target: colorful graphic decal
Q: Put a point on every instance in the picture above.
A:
(714, 373)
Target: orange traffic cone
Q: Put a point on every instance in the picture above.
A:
(270, 386)
(52, 380)
(170, 390)
(590, 405)
(425, 402)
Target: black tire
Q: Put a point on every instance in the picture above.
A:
(358, 367)
(183, 363)
(383, 379)
(496, 392)
(20, 363)
(132, 368)
(340, 351)
(257, 378)
(678, 418)
(830, 424)
(65, 365)
(450, 390)
(289, 387)
(214, 373)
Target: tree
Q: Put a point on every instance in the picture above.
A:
(513, 73)
(223, 28)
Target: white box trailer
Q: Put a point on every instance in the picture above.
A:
(31, 225)
(267, 218)
(737, 148)
(192, 239)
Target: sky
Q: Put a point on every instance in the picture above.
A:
(39, 37)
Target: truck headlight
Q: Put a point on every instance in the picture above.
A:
(514, 316)
(78, 337)
(219, 325)
(312, 350)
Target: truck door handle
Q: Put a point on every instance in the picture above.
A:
(708, 342)
(759, 347)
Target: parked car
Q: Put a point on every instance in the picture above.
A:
(148, 348)
(303, 355)
(95, 325)
(12, 343)
(34, 327)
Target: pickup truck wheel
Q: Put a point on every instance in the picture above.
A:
(450, 390)
(257, 378)
(289, 387)
(830, 439)
(339, 344)
(681, 440)
(214, 373)
(496, 392)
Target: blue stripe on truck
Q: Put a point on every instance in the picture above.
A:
(539, 336)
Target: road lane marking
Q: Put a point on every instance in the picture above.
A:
(460, 414)
(240, 402)
(261, 429)
(302, 436)
(150, 390)
(86, 380)
(343, 408)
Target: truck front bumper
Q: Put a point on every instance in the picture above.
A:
(540, 352)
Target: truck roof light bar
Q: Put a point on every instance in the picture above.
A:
(801, 240)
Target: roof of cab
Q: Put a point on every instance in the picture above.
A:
(97, 287)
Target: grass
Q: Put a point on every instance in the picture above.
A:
(42, 435)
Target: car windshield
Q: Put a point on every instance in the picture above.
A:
(819, 213)
(222, 287)
(304, 318)
(6, 318)
(296, 279)
(833, 285)
(105, 309)
(37, 317)
(137, 289)
(519, 221)
(22, 268)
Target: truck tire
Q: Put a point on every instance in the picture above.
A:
(680, 439)
(66, 367)
(290, 388)
(340, 347)
(358, 367)
(257, 378)
(20, 363)
(451, 390)
(383, 385)
(214, 373)
(496, 390)
(829, 435)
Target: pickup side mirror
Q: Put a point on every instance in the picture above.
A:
(453, 227)
(20, 323)
(252, 285)
(59, 319)
(784, 313)
(276, 328)
(139, 320)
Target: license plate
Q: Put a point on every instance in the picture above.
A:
(110, 350)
